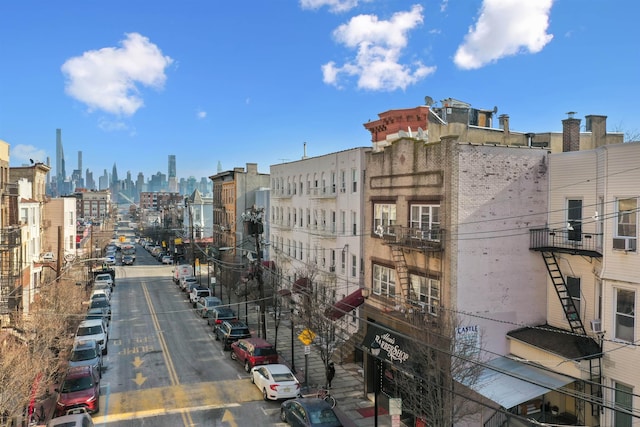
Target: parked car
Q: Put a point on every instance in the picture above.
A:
(100, 293)
(180, 271)
(104, 305)
(98, 313)
(110, 260)
(186, 281)
(86, 353)
(308, 412)
(104, 278)
(253, 352)
(93, 329)
(197, 293)
(275, 381)
(219, 314)
(206, 304)
(167, 259)
(231, 331)
(78, 417)
(128, 259)
(189, 285)
(80, 388)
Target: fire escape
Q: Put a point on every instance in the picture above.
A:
(549, 243)
(401, 240)
(10, 252)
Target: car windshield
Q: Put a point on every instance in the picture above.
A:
(322, 416)
(103, 277)
(285, 376)
(266, 351)
(240, 331)
(89, 330)
(76, 384)
(80, 355)
(99, 303)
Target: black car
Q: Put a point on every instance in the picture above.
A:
(309, 412)
(230, 331)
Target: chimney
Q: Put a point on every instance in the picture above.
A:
(571, 133)
(597, 125)
(503, 121)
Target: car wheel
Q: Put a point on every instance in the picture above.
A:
(233, 355)
(247, 366)
(264, 394)
(283, 415)
(105, 350)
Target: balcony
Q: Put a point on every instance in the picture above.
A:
(565, 241)
(412, 238)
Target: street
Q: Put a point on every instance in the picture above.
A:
(164, 367)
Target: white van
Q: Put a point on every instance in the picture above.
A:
(181, 271)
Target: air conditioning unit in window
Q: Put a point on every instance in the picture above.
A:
(332, 269)
(624, 244)
(596, 326)
(343, 190)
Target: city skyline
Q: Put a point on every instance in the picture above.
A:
(213, 84)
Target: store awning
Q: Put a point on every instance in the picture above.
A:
(302, 285)
(510, 383)
(345, 305)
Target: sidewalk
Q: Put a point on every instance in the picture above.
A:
(352, 406)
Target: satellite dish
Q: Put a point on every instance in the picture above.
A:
(428, 101)
(495, 109)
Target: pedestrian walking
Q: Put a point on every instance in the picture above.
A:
(331, 372)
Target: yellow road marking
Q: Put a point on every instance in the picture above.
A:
(177, 400)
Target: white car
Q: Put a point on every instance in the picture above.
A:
(98, 293)
(78, 417)
(93, 329)
(103, 278)
(275, 381)
(48, 257)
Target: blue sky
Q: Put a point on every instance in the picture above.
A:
(130, 82)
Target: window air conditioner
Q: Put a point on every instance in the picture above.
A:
(624, 244)
(596, 326)
(343, 190)
(332, 269)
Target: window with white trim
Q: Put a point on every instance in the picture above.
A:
(384, 216)
(354, 266)
(426, 219)
(426, 292)
(354, 180)
(626, 227)
(623, 396)
(384, 281)
(625, 308)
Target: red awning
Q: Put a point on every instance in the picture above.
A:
(301, 285)
(345, 305)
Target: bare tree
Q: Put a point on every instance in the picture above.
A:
(429, 385)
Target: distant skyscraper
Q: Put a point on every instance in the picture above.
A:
(61, 174)
(114, 176)
(173, 181)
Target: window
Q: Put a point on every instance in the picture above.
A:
(300, 249)
(384, 281)
(426, 292)
(354, 224)
(573, 286)
(354, 266)
(343, 261)
(623, 400)
(426, 219)
(574, 220)
(626, 224)
(354, 180)
(625, 314)
(384, 216)
(343, 222)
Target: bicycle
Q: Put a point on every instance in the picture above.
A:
(324, 394)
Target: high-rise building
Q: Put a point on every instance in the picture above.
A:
(173, 182)
(60, 169)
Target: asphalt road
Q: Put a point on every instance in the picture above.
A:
(164, 367)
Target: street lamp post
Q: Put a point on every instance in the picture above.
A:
(293, 354)
(374, 348)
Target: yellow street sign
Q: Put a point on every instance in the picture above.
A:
(123, 238)
(307, 336)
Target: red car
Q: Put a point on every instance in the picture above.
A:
(253, 351)
(79, 389)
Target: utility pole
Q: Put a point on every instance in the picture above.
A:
(253, 218)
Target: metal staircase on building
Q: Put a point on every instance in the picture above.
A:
(569, 307)
(402, 272)
(595, 367)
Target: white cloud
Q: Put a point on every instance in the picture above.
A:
(379, 46)
(25, 153)
(201, 114)
(335, 6)
(108, 79)
(505, 28)
(109, 125)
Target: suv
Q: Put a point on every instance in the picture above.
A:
(217, 315)
(185, 282)
(230, 331)
(103, 278)
(206, 304)
(80, 388)
(253, 351)
(93, 329)
(87, 353)
(197, 293)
